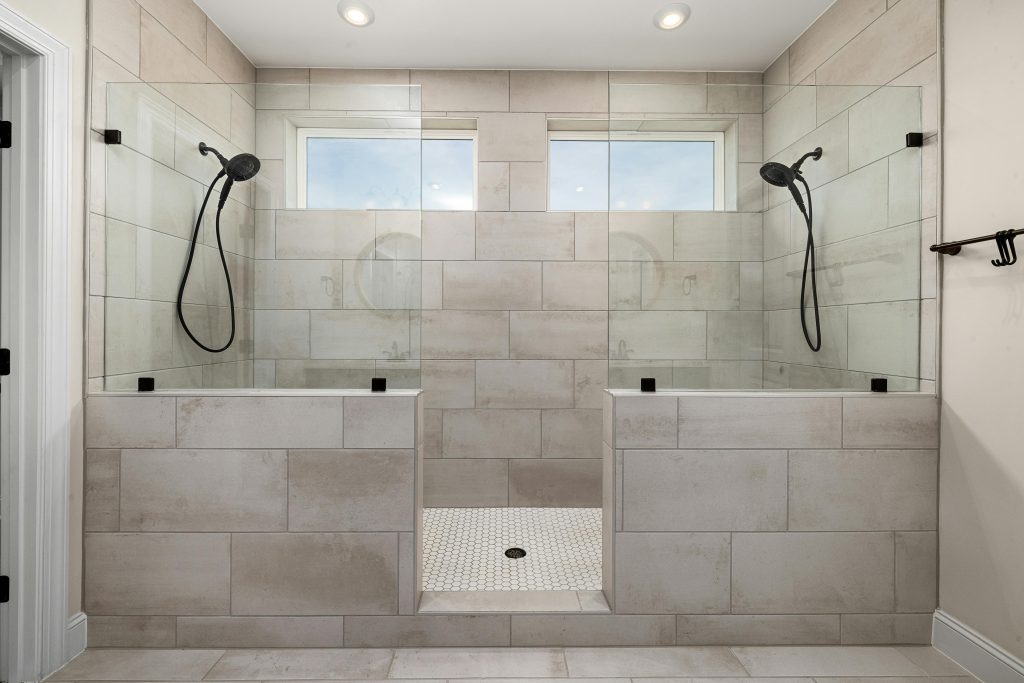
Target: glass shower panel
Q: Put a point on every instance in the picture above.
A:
(710, 298)
(323, 298)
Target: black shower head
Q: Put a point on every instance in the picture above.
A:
(238, 168)
(781, 175)
(777, 174)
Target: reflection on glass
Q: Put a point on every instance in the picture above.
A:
(384, 173)
(641, 175)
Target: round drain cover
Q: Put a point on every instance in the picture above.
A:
(515, 553)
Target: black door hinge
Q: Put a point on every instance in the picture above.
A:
(6, 134)
(5, 589)
(5, 362)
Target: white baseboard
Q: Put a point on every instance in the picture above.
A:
(75, 636)
(974, 652)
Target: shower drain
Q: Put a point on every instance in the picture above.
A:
(515, 553)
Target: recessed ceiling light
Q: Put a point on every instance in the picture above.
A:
(672, 16)
(355, 13)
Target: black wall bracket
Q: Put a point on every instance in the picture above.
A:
(5, 362)
(6, 134)
(147, 384)
(112, 136)
(915, 139)
(648, 384)
(378, 384)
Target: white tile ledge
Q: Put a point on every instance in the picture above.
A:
(204, 393)
(684, 393)
(519, 602)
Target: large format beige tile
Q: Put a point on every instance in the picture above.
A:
(156, 573)
(539, 335)
(492, 285)
(559, 91)
(165, 59)
(717, 236)
(465, 483)
(587, 630)
(142, 631)
(891, 422)
(644, 422)
(759, 629)
(260, 422)
(449, 235)
(704, 490)
(902, 37)
(671, 573)
(524, 384)
(321, 234)
(825, 661)
(180, 490)
(252, 632)
(844, 20)
(575, 286)
(682, 286)
(473, 91)
(479, 663)
(102, 490)
(240, 665)
(781, 573)
(314, 574)
(116, 34)
(853, 490)
(548, 482)
(571, 433)
(648, 662)
(512, 137)
(139, 665)
(427, 631)
(887, 629)
(760, 422)
(525, 236)
(129, 422)
(917, 569)
(350, 490)
(465, 334)
(657, 335)
(380, 422)
(360, 335)
(492, 434)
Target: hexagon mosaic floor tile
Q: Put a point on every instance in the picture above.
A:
(464, 549)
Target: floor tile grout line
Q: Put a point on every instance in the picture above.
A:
(213, 666)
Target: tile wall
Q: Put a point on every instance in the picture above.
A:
(875, 200)
(516, 324)
(255, 521)
(773, 520)
(165, 75)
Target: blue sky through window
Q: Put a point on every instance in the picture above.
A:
(632, 175)
(385, 173)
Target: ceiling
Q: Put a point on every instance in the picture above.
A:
(721, 35)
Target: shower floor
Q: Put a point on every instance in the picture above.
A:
(464, 549)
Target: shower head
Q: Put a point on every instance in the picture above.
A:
(238, 168)
(777, 174)
(781, 175)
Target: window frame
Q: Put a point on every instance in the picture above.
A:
(304, 133)
(715, 137)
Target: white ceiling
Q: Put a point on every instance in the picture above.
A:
(721, 35)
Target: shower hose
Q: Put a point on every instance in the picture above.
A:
(223, 262)
(809, 260)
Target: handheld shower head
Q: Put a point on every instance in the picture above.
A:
(238, 168)
(778, 174)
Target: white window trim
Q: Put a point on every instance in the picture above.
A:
(717, 137)
(303, 134)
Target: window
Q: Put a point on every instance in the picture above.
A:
(636, 172)
(378, 169)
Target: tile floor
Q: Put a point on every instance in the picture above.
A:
(464, 549)
(502, 665)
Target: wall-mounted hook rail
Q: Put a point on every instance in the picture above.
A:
(1003, 239)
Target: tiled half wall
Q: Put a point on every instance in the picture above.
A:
(773, 519)
(291, 521)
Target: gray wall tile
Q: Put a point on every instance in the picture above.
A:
(648, 568)
(759, 422)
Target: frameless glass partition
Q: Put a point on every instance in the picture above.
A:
(322, 244)
(706, 258)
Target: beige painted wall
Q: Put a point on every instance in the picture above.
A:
(981, 502)
(65, 19)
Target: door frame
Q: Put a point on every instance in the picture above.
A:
(35, 638)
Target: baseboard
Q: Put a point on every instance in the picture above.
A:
(974, 652)
(75, 636)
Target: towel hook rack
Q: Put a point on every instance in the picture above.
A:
(1003, 239)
